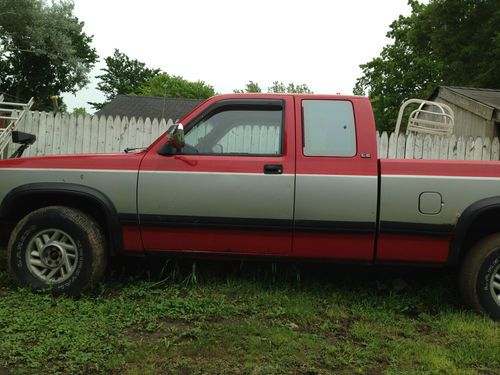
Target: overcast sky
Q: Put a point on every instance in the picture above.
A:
(227, 43)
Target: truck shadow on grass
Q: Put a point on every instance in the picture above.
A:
(179, 316)
(418, 289)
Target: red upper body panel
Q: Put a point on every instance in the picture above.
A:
(121, 161)
(364, 165)
(366, 144)
(464, 168)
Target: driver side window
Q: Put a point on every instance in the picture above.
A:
(238, 130)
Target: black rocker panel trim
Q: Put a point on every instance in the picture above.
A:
(214, 222)
(335, 226)
(419, 229)
(128, 219)
(247, 223)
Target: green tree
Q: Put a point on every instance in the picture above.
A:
(77, 111)
(122, 76)
(446, 42)
(176, 87)
(43, 50)
(251, 86)
(291, 88)
(277, 88)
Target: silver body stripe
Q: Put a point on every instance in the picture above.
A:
(119, 187)
(336, 198)
(251, 195)
(69, 170)
(399, 198)
(207, 173)
(216, 194)
(131, 171)
(432, 177)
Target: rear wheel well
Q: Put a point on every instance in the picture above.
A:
(25, 204)
(484, 224)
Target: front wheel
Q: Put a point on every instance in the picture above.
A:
(479, 278)
(59, 248)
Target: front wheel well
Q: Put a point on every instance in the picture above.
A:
(22, 204)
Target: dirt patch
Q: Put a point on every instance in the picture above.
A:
(167, 328)
(343, 332)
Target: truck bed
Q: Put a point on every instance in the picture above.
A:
(422, 200)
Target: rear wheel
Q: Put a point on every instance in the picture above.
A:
(59, 248)
(480, 276)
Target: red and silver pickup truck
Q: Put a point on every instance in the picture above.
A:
(254, 175)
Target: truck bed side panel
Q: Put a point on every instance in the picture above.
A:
(421, 202)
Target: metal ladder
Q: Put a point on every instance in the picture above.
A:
(11, 114)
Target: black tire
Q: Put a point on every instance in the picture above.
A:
(77, 231)
(478, 268)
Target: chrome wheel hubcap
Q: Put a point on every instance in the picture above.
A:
(52, 256)
(495, 285)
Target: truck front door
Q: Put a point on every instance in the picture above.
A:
(231, 189)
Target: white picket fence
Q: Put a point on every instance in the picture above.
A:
(69, 134)
(422, 146)
(248, 139)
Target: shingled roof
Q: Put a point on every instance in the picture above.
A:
(489, 97)
(484, 103)
(148, 106)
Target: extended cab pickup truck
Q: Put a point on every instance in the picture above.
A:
(254, 175)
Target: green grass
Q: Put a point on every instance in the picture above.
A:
(171, 317)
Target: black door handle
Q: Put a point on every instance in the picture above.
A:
(273, 169)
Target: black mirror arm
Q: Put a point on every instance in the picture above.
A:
(19, 152)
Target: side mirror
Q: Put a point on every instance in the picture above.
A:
(23, 138)
(175, 140)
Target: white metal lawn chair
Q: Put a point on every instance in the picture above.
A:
(428, 118)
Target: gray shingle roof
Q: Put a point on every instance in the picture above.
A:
(148, 106)
(489, 97)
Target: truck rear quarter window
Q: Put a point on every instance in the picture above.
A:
(329, 128)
